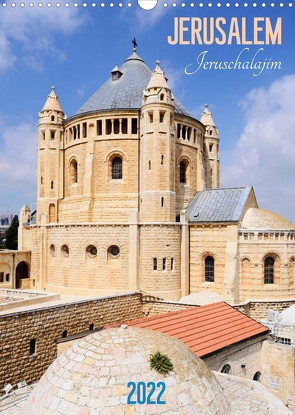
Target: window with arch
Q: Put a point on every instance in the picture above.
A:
(32, 347)
(117, 172)
(51, 185)
(182, 172)
(162, 97)
(74, 171)
(226, 369)
(257, 376)
(209, 269)
(269, 265)
(65, 250)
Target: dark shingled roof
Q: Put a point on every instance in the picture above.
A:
(218, 205)
(126, 92)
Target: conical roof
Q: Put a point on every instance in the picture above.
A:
(207, 118)
(52, 102)
(125, 92)
(158, 79)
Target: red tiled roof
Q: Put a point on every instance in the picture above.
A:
(204, 329)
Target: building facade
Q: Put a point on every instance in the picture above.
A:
(128, 199)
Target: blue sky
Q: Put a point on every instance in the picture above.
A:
(75, 50)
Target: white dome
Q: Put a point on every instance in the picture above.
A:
(92, 377)
(288, 316)
(264, 219)
(201, 298)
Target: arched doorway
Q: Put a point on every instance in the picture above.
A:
(21, 272)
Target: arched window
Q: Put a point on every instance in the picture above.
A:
(209, 269)
(117, 168)
(226, 369)
(74, 171)
(182, 172)
(257, 376)
(269, 270)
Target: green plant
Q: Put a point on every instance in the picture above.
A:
(161, 362)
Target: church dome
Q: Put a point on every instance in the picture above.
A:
(92, 375)
(201, 298)
(125, 92)
(288, 316)
(262, 219)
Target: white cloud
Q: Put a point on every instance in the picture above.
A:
(18, 156)
(32, 29)
(265, 152)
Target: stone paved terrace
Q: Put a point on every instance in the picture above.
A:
(248, 397)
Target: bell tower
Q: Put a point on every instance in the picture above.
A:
(157, 151)
(50, 162)
(211, 141)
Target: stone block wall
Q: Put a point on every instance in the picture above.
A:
(47, 324)
(153, 307)
(257, 309)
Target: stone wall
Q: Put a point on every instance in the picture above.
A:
(153, 307)
(257, 309)
(47, 324)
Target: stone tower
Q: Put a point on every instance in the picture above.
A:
(50, 162)
(157, 151)
(211, 144)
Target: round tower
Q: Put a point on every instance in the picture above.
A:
(50, 161)
(211, 149)
(157, 151)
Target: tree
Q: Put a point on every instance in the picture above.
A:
(12, 234)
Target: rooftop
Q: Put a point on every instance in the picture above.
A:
(218, 205)
(125, 93)
(204, 329)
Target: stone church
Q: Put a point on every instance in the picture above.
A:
(129, 199)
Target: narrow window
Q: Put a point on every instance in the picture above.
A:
(75, 133)
(43, 134)
(74, 171)
(195, 136)
(209, 269)
(155, 264)
(182, 172)
(162, 202)
(51, 185)
(183, 131)
(116, 126)
(177, 218)
(52, 135)
(178, 130)
(91, 327)
(134, 126)
(124, 126)
(1, 276)
(210, 132)
(117, 168)
(109, 127)
(78, 130)
(269, 270)
(211, 172)
(162, 115)
(210, 147)
(65, 250)
(7, 277)
(164, 264)
(150, 164)
(189, 130)
(172, 264)
(64, 333)
(52, 118)
(84, 129)
(162, 160)
(162, 97)
(151, 117)
(41, 179)
(32, 347)
(99, 127)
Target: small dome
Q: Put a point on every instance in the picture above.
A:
(201, 298)
(92, 375)
(288, 316)
(262, 219)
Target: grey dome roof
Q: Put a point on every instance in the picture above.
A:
(125, 92)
